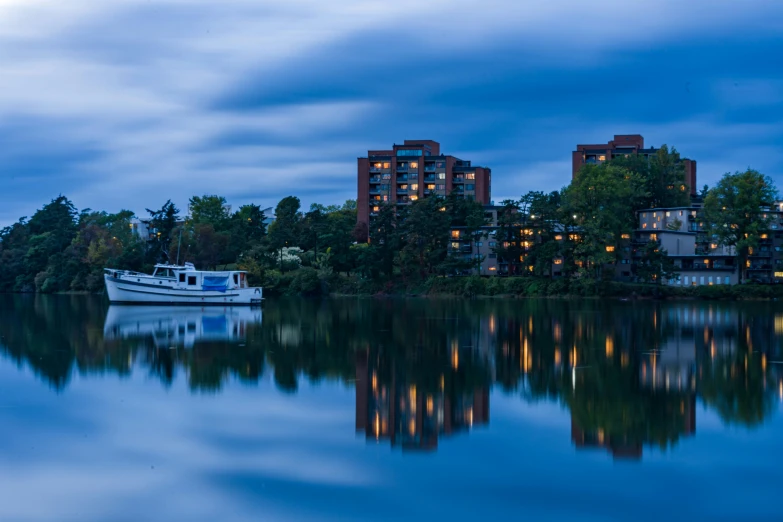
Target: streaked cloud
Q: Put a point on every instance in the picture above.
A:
(127, 103)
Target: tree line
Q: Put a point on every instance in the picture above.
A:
(585, 228)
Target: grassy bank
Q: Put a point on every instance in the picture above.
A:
(311, 282)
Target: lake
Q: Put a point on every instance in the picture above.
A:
(361, 409)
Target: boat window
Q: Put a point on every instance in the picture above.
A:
(182, 278)
(236, 279)
(191, 280)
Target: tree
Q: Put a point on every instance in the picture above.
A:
(209, 210)
(508, 237)
(655, 264)
(285, 231)
(602, 198)
(425, 230)
(662, 176)
(734, 212)
(545, 218)
(162, 224)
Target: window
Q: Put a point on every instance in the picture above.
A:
(191, 280)
(430, 186)
(409, 152)
(376, 209)
(493, 256)
(414, 198)
(377, 165)
(455, 245)
(558, 237)
(610, 249)
(236, 279)
(479, 243)
(655, 214)
(681, 212)
(385, 176)
(644, 215)
(701, 280)
(441, 175)
(470, 175)
(386, 198)
(470, 186)
(455, 233)
(492, 243)
(668, 214)
(644, 225)
(558, 261)
(602, 157)
(653, 237)
(726, 280)
(626, 236)
(414, 165)
(441, 187)
(387, 165)
(655, 225)
(686, 280)
(414, 186)
(709, 280)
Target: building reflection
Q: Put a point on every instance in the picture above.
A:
(414, 413)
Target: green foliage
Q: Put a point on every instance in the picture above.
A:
(733, 211)
(601, 201)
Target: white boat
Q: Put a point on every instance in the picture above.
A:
(179, 326)
(174, 284)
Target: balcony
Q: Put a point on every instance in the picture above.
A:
(403, 168)
(459, 179)
(430, 178)
(429, 167)
(375, 179)
(375, 169)
(403, 177)
(375, 190)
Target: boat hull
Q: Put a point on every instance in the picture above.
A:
(131, 292)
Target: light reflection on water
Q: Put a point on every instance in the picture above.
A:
(241, 414)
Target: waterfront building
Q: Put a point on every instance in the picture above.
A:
(416, 169)
(624, 145)
(699, 259)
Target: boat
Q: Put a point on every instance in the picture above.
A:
(182, 285)
(179, 326)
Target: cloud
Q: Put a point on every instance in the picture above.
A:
(128, 103)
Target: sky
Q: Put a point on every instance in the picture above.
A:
(123, 104)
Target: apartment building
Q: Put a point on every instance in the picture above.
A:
(624, 145)
(413, 170)
(699, 259)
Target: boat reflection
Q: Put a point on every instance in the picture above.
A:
(179, 326)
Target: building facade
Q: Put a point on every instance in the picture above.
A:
(416, 169)
(623, 145)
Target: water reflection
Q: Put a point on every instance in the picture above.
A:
(179, 326)
(631, 375)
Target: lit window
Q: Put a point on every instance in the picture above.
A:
(602, 158)
(455, 233)
(377, 165)
(681, 212)
(414, 186)
(414, 165)
(764, 236)
(441, 175)
(644, 225)
(653, 237)
(644, 215)
(655, 214)
(470, 175)
(610, 249)
(387, 165)
(376, 209)
(626, 236)
(714, 245)
(492, 269)
(655, 225)
(455, 245)
(414, 198)
(558, 261)
(558, 237)
(573, 237)
(430, 186)
(668, 214)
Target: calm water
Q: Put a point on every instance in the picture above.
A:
(390, 410)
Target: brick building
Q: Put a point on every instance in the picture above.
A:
(623, 145)
(413, 170)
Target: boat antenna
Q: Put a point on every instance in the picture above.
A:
(179, 245)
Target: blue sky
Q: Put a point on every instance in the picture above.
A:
(127, 103)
